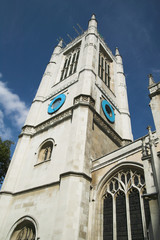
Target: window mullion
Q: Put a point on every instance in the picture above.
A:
(63, 71)
(76, 62)
(114, 219)
(102, 67)
(67, 67)
(106, 70)
(128, 217)
(71, 64)
(99, 67)
(108, 76)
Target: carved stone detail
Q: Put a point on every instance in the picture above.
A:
(30, 130)
(90, 44)
(54, 120)
(84, 99)
(47, 74)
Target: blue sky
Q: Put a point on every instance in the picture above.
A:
(28, 34)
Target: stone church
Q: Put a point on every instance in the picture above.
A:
(76, 173)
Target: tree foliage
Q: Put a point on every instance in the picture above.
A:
(5, 154)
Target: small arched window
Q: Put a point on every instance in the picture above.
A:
(45, 151)
(24, 230)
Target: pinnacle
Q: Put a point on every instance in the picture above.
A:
(92, 25)
(151, 80)
(93, 17)
(60, 44)
(117, 52)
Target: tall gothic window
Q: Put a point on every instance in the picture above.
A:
(70, 64)
(104, 68)
(126, 214)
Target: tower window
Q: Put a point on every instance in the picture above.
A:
(45, 151)
(104, 69)
(70, 64)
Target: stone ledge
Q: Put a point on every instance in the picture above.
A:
(150, 196)
(30, 189)
(76, 174)
(31, 130)
(84, 99)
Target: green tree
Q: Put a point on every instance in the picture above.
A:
(5, 155)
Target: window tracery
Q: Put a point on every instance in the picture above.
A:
(104, 69)
(25, 230)
(130, 216)
(26, 233)
(70, 64)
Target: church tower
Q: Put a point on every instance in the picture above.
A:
(80, 113)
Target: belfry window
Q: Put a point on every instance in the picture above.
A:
(45, 151)
(104, 69)
(70, 64)
(126, 214)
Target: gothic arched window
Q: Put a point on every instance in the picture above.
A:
(45, 151)
(24, 231)
(104, 67)
(126, 213)
(70, 64)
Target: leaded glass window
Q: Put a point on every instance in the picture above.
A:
(125, 213)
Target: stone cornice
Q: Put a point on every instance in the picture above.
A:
(30, 189)
(66, 174)
(90, 45)
(79, 100)
(76, 174)
(150, 196)
(154, 90)
(154, 93)
(85, 100)
(31, 130)
(148, 158)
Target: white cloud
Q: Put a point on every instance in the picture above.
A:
(156, 71)
(1, 75)
(5, 133)
(13, 107)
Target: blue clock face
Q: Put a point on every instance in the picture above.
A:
(108, 111)
(56, 103)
